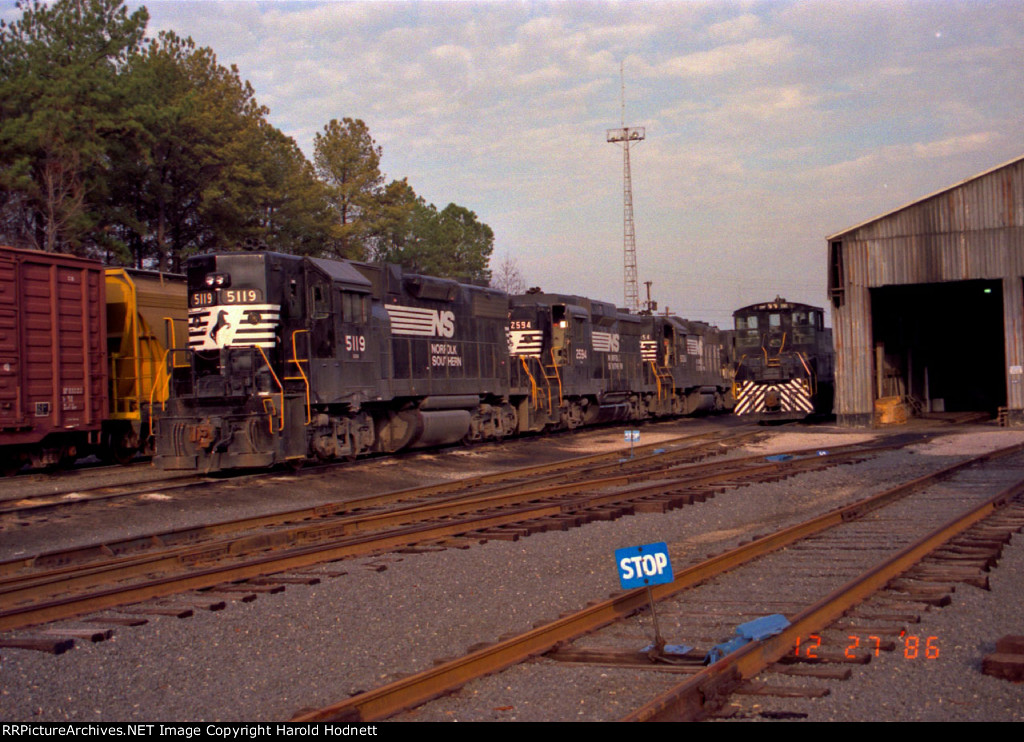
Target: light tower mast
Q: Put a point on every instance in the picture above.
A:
(625, 136)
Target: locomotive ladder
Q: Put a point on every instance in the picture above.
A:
(270, 409)
(301, 377)
(548, 377)
(535, 387)
(664, 380)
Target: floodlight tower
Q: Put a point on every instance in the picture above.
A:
(626, 135)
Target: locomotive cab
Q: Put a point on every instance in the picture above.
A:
(782, 360)
(264, 331)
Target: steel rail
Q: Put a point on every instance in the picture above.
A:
(706, 691)
(527, 505)
(68, 559)
(326, 510)
(419, 688)
(68, 592)
(21, 504)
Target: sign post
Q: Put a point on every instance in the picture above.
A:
(644, 566)
(631, 436)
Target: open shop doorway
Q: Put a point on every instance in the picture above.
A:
(941, 345)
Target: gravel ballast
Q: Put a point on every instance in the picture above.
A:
(396, 614)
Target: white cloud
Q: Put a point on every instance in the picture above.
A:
(768, 125)
(752, 54)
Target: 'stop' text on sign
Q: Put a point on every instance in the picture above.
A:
(640, 566)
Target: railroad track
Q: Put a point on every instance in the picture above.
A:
(68, 583)
(63, 492)
(869, 545)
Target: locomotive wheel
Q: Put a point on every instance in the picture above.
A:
(117, 447)
(123, 455)
(119, 450)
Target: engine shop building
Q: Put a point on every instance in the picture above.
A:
(928, 303)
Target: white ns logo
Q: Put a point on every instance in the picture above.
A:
(444, 324)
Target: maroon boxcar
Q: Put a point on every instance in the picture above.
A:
(53, 369)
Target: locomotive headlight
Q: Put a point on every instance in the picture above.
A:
(220, 280)
(563, 324)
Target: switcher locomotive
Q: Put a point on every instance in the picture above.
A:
(294, 357)
(783, 361)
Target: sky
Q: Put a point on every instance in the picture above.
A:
(769, 125)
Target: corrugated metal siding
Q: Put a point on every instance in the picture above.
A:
(1013, 327)
(974, 230)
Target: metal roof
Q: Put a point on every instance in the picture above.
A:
(1008, 163)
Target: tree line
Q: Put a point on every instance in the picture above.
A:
(142, 151)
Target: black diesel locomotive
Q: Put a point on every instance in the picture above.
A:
(783, 361)
(291, 357)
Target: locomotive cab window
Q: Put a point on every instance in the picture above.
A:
(560, 334)
(321, 302)
(353, 307)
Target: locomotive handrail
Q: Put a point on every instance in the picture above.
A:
(558, 377)
(152, 390)
(279, 386)
(778, 353)
(659, 376)
(302, 375)
(171, 343)
(533, 382)
(810, 373)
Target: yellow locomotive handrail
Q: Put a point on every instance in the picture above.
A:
(280, 386)
(557, 377)
(771, 362)
(812, 381)
(659, 377)
(171, 341)
(535, 387)
(156, 382)
(533, 382)
(302, 375)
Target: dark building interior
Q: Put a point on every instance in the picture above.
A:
(941, 344)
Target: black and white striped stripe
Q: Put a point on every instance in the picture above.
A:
(794, 397)
(233, 326)
(528, 343)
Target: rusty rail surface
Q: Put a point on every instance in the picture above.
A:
(22, 504)
(706, 691)
(416, 689)
(67, 591)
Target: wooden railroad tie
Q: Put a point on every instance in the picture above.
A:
(1007, 662)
